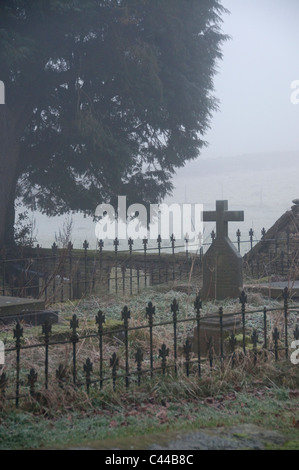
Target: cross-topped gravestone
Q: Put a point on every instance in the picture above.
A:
(222, 264)
(222, 216)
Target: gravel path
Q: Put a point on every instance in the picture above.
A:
(241, 437)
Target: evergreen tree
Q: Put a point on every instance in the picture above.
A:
(103, 98)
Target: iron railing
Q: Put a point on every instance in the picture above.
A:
(60, 274)
(130, 363)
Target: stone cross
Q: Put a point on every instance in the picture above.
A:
(222, 263)
(222, 216)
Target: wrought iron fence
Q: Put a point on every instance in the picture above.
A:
(131, 363)
(60, 274)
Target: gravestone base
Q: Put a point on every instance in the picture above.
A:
(210, 328)
(31, 311)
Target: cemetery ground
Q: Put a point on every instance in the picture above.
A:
(248, 406)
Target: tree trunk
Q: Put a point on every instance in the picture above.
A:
(9, 156)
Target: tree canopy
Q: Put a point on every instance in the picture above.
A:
(103, 98)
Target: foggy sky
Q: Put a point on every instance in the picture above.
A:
(254, 79)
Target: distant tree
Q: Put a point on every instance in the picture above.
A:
(103, 98)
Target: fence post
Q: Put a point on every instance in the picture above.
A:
(126, 315)
(254, 339)
(100, 320)
(221, 334)
(70, 249)
(175, 309)
(101, 245)
(159, 240)
(78, 280)
(74, 324)
(17, 334)
(138, 360)
(187, 241)
(131, 243)
(54, 255)
(94, 271)
(251, 233)
(123, 273)
(243, 302)
(61, 282)
(265, 328)
(187, 350)
(150, 312)
(115, 244)
(46, 330)
(114, 365)
(172, 239)
(85, 247)
(198, 306)
(45, 280)
(138, 278)
(144, 241)
(286, 295)
(238, 239)
(88, 368)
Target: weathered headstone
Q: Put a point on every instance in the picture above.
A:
(222, 264)
(31, 311)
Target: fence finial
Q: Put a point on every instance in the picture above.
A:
(174, 307)
(198, 303)
(150, 311)
(100, 319)
(125, 314)
(243, 298)
(286, 293)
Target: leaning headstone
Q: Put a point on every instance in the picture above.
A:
(222, 263)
